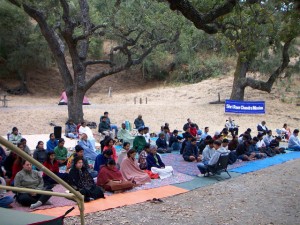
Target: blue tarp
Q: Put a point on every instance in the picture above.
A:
(261, 164)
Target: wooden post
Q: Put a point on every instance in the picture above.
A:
(109, 92)
(146, 100)
(134, 99)
(141, 100)
(219, 97)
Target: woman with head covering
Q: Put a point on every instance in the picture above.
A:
(81, 180)
(111, 179)
(131, 171)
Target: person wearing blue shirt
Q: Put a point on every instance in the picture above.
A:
(88, 148)
(52, 143)
(294, 142)
(102, 159)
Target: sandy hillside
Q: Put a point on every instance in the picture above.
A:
(32, 113)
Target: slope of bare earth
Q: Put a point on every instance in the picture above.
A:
(32, 113)
(269, 196)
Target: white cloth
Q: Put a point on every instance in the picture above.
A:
(163, 172)
(261, 144)
(87, 131)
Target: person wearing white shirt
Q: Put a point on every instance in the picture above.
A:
(268, 138)
(84, 129)
(294, 142)
(232, 127)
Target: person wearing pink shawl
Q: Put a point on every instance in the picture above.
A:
(111, 179)
(131, 171)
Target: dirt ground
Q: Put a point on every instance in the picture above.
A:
(269, 196)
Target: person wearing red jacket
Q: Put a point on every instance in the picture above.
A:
(52, 164)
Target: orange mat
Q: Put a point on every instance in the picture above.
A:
(116, 200)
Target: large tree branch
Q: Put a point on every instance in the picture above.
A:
(91, 32)
(94, 62)
(267, 86)
(51, 38)
(202, 21)
(130, 62)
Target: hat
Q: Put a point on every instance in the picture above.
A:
(78, 148)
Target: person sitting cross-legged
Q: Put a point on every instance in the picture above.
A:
(139, 122)
(294, 141)
(232, 127)
(131, 171)
(104, 128)
(52, 142)
(243, 153)
(162, 146)
(191, 152)
(71, 129)
(175, 141)
(5, 201)
(253, 149)
(123, 153)
(156, 165)
(29, 178)
(111, 179)
(214, 158)
(268, 138)
(89, 152)
(15, 137)
(102, 159)
(125, 135)
(52, 164)
(61, 153)
(81, 180)
(40, 154)
(274, 145)
(142, 160)
(139, 141)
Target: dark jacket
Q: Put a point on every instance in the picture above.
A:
(241, 149)
(103, 126)
(151, 162)
(174, 139)
(161, 143)
(190, 150)
(40, 155)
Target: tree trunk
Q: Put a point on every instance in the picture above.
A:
(75, 110)
(238, 87)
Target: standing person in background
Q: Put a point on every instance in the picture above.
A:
(15, 137)
(51, 143)
(139, 122)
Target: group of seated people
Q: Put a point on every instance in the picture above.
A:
(111, 173)
(138, 162)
